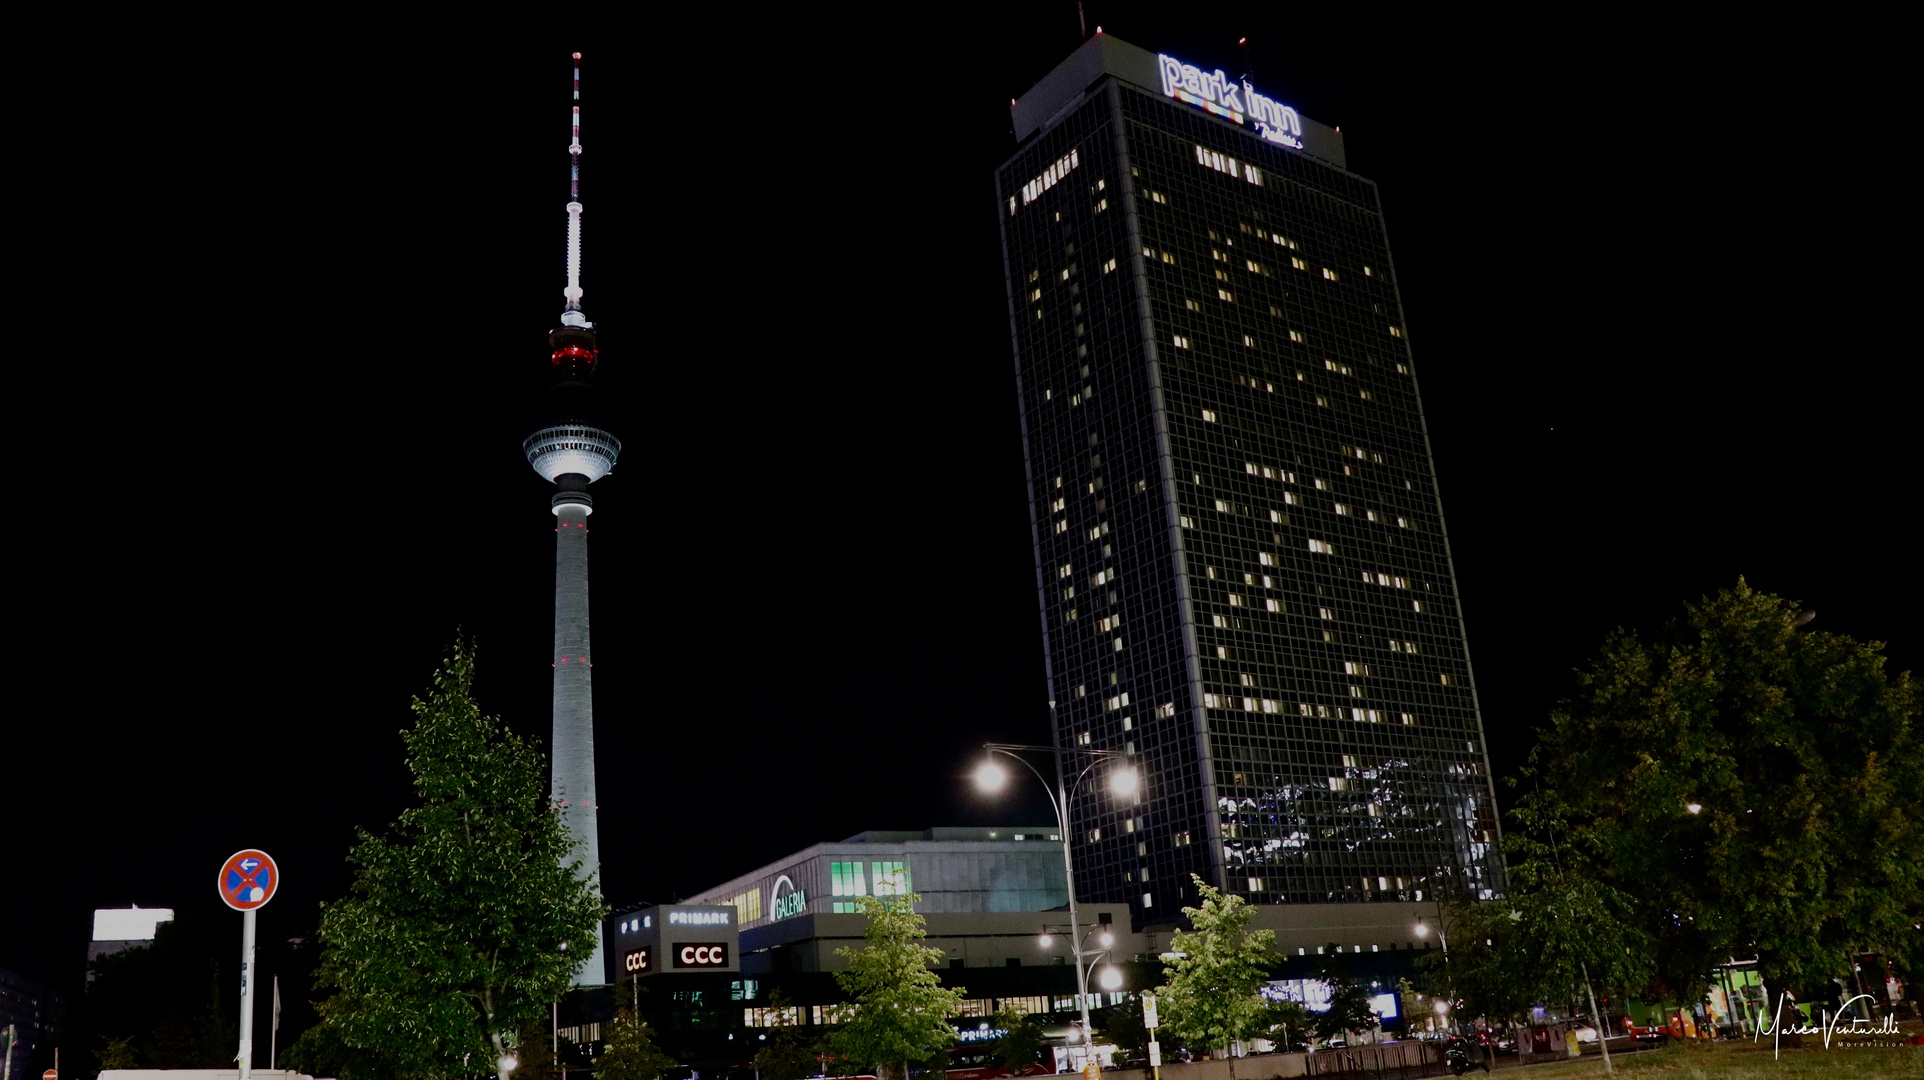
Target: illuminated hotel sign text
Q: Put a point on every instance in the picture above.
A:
(698, 918)
(1033, 190)
(1235, 102)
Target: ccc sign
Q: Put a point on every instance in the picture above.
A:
(636, 960)
(697, 954)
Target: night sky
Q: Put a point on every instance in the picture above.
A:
(280, 326)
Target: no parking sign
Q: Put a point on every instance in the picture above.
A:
(248, 879)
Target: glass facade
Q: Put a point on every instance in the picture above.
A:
(1244, 579)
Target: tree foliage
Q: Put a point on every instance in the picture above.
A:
(787, 1053)
(466, 920)
(901, 1007)
(1020, 1045)
(1122, 1024)
(170, 1004)
(1213, 995)
(629, 1052)
(1349, 1000)
(1539, 945)
(1804, 757)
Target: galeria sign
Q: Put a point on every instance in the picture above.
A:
(1214, 93)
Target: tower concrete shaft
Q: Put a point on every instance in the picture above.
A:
(574, 706)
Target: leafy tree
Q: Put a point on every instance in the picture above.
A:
(1555, 941)
(629, 1051)
(1213, 995)
(464, 922)
(1349, 1000)
(1288, 1021)
(1122, 1024)
(171, 1004)
(786, 1053)
(1804, 759)
(119, 1054)
(901, 1007)
(1020, 1046)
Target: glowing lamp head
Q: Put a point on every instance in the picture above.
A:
(1111, 978)
(1422, 930)
(1046, 940)
(507, 1063)
(1107, 939)
(1695, 808)
(991, 777)
(1442, 1006)
(1123, 781)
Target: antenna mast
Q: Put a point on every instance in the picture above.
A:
(572, 315)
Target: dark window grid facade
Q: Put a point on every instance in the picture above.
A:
(1414, 799)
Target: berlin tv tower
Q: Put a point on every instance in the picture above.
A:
(572, 450)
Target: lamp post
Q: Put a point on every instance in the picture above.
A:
(1442, 935)
(992, 777)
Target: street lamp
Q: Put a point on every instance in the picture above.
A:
(1111, 977)
(991, 777)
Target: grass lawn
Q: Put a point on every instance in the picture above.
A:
(1752, 1061)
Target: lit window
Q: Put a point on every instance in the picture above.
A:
(1322, 548)
(1341, 509)
(1274, 605)
(1367, 272)
(1209, 415)
(1183, 343)
(1298, 263)
(1064, 571)
(1102, 205)
(1192, 305)
(1328, 274)
(1351, 667)
(1249, 342)
(1169, 257)
(1108, 266)
(1297, 336)
(1235, 601)
(1095, 835)
(1224, 294)
(1326, 613)
(1396, 331)
(1158, 197)
(1222, 507)
(1186, 522)
(1265, 558)
(1062, 526)
(1448, 680)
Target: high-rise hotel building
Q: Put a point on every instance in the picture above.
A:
(1245, 581)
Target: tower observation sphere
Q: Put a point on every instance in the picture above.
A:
(571, 450)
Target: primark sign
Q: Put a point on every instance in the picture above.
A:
(1238, 102)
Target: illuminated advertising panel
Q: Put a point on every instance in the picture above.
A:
(1237, 102)
(701, 954)
(638, 960)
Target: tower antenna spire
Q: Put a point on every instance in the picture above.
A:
(572, 315)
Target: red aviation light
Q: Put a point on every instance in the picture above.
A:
(575, 352)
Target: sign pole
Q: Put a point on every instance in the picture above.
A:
(248, 879)
(247, 994)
